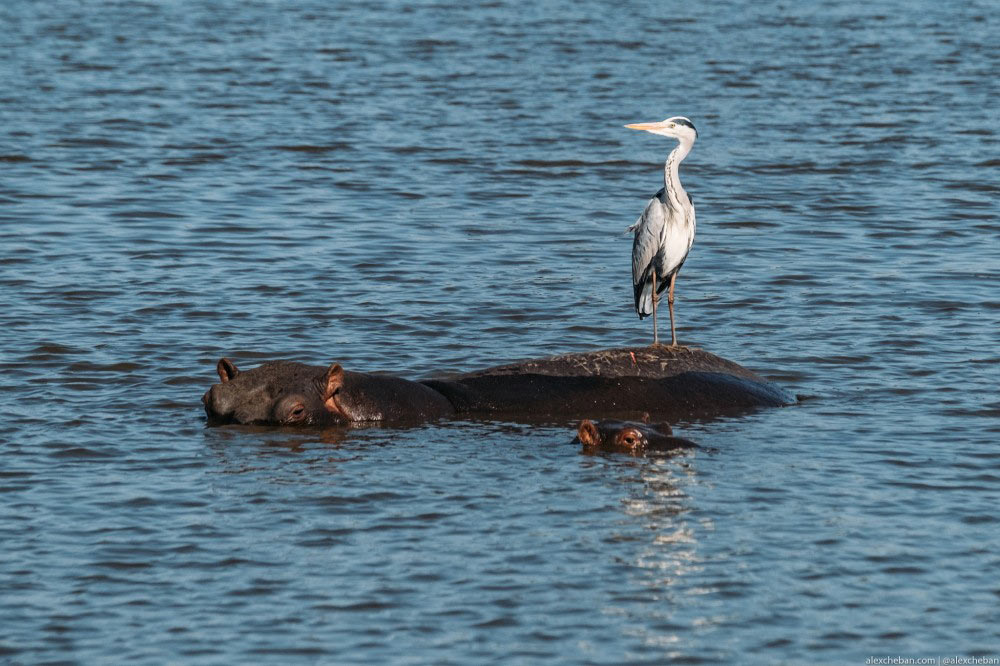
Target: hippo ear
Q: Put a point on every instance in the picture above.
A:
(334, 380)
(226, 370)
(587, 433)
(332, 384)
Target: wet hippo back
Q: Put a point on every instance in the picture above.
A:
(681, 395)
(653, 362)
(667, 381)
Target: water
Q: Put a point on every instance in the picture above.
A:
(421, 188)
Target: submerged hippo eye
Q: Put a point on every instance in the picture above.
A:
(297, 413)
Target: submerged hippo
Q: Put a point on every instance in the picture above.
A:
(629, 437)
(668, 382)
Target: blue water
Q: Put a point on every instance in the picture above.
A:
(421, 188)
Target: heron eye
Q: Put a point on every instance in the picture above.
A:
(673, 124)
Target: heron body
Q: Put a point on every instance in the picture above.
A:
(664, 232)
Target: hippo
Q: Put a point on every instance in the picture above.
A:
(629, 437)
(669, 382)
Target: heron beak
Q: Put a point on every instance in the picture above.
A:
(649, 127)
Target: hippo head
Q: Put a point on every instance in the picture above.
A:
(629, 437)
(277, 392)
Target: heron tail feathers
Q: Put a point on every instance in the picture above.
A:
(644, 299)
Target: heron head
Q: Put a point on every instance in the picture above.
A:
(678, 127)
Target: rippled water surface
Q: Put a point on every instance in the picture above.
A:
(418, 187)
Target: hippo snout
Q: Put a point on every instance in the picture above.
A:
(217, 408)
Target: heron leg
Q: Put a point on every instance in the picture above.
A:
(670, 305)
(656, 339)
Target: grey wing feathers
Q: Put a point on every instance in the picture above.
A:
(648, 230)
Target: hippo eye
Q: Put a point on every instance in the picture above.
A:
(630, 438)
(298, 413)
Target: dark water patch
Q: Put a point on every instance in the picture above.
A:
(973, 186)
(498, 622)
(336, 500)
(451, 160)
(122, 566)
(92, 142)
(112, 581)
(535, 174)
(79, 453)
(979, 519)
(967, 203)
(234, 563)
(908, 463)
(88, 366)
(291, 651)
(956, 487)
(146, 214)
(984, 412)
(570, 163)
(131, 123)
(196, 159)
(483, 195)
(358, 607)
(315, 149)
(47, 350)
(904, 571)
(745, 224)
(408, 195)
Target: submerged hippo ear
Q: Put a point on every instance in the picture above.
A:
(587, 433)
(664, 428)
(226, 370)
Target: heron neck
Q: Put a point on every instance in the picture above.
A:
(671, 180)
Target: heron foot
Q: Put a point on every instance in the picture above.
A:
(673, 346)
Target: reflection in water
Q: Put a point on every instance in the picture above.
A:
(319, 451)
(659, 510)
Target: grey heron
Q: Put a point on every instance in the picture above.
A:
(665, 230)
